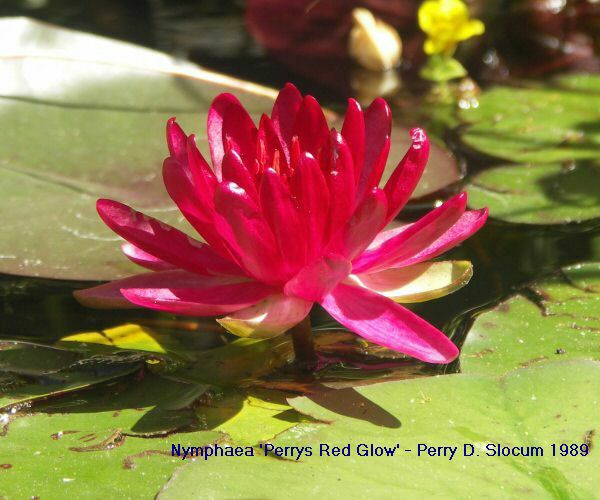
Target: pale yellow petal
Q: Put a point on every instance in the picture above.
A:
(269, 318)
(373, 43)
(419, 282)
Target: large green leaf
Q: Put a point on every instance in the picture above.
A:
(554, 318)
(85, 455)
(84, 117)
(547, 124)
(520, 409)
(538, 194)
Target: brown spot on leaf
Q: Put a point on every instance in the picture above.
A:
(481, 354)
(113, 441)
(129, 463)
(588, 438)
(525, 364)
(5, 466)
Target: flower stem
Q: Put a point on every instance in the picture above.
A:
(304, 345)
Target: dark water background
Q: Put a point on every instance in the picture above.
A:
(212, 33)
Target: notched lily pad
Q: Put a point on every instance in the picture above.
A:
(538, 194)
(554, 318)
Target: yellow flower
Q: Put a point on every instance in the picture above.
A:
(446, 22)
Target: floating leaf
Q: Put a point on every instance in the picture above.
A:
(554, 318)
(248, 417)
(519, 409)
(132, 337)
(547, 124)
(153, 405)
(77, 454)
(84, 117)
(61, 383)
(538, 194)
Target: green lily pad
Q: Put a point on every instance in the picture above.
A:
(519, 409)
(554, 318)
(538, 194)
(19, 394)
(248, 417)
(85, 455)
(547, 124)
(83, 124)
(152, 406)
(84, 117)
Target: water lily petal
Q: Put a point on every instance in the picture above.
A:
(162, 240)
(284, 113)
(242, 225)
(269, 318)
(318, 278)
(312, 194)
(407, 174)
(411, 240)
(239, 133)
(381, 321)
(193, 195)
(144, 259)
(419, 282)
(311, 126)
(176, 140)
(274, 155)
(285, 220)
(365, 223)
(234, 170)
(202, 295)
(378, 125)
(468, 224)
(353, 131)
(214, 128)
(341, 183)
(184, 293)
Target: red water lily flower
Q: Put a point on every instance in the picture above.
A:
(292, 214)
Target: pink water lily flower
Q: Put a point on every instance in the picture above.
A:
(292, 214)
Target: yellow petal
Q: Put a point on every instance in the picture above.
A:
(419, 282)
(271, 317)
(473, 27)
(428, 15)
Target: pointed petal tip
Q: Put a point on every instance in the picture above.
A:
(290, 87)
(380, 104)
(105, 204)
(353, 103)
(444, 356)
(418, 136)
